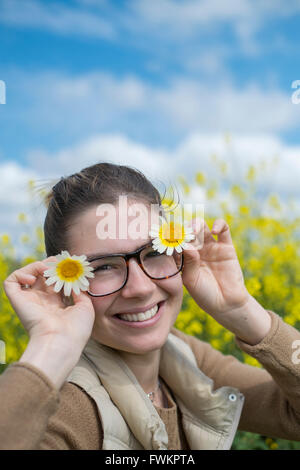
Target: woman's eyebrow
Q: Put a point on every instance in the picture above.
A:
(97, 255)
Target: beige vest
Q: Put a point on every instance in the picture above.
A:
(129, 419)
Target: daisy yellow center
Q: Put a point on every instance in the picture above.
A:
(171, 234)
(69, 270)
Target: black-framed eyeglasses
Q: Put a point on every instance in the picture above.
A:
(111, 271)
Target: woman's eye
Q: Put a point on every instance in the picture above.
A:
(153, 254)
(104, 267)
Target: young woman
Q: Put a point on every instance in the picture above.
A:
(108, 370)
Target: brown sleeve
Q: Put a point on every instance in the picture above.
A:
(76, 424)
(27, 400)
(35, 415)
(272, 394)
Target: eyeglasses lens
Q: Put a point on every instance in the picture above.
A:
(111, 272)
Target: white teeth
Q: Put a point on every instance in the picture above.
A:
(140, 316)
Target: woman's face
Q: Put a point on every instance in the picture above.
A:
(140, 293)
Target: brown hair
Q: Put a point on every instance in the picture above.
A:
(96, 184)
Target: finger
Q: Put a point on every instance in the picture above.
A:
(202, 235)
(221, 229)
(82, 299)
(197, 225)
(200, 228)
(26, 275)
(208, 234)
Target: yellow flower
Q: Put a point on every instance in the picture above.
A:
(25, 238)
(22, 217)
(200, 178)
(69, 272)
(5, 239)
(170, 235)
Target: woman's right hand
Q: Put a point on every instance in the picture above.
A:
(42, 311)
(57, 332)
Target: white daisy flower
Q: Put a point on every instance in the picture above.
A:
(70, 272)
(171, 235)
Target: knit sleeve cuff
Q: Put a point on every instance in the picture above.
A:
(276, 349)
(265, 343)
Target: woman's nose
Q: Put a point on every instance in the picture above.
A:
(138, 283)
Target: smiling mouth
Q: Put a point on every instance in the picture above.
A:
(140, 317)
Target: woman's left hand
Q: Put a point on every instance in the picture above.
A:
(213, 277)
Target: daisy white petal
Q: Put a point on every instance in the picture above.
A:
(178, 249)
(189, 238)
(58, 286)
(89, 275)
(69, 272)
(83, 286)
(76, 288)
(51, 280)
(50, 272)
(60, 257)
(172, 234)
(67, 288)
(83, 281)
(65, 253)
(156, 242)
(184, 245)
(170, 250)
(153, 233)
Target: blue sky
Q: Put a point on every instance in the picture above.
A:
(258, 46)
(92, 79)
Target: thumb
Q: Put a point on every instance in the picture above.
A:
(80, 300)
(191, 249)
(191, 256)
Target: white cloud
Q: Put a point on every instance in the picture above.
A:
(15, 198)
(161, 166)
(177, 19)
(55, 17)
(194, 153)
(14, 183)
(168, 19)
(113, 148)
(126, 93)
(100, 102)
(191, 13)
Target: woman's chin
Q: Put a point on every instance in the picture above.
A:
(143, 347)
